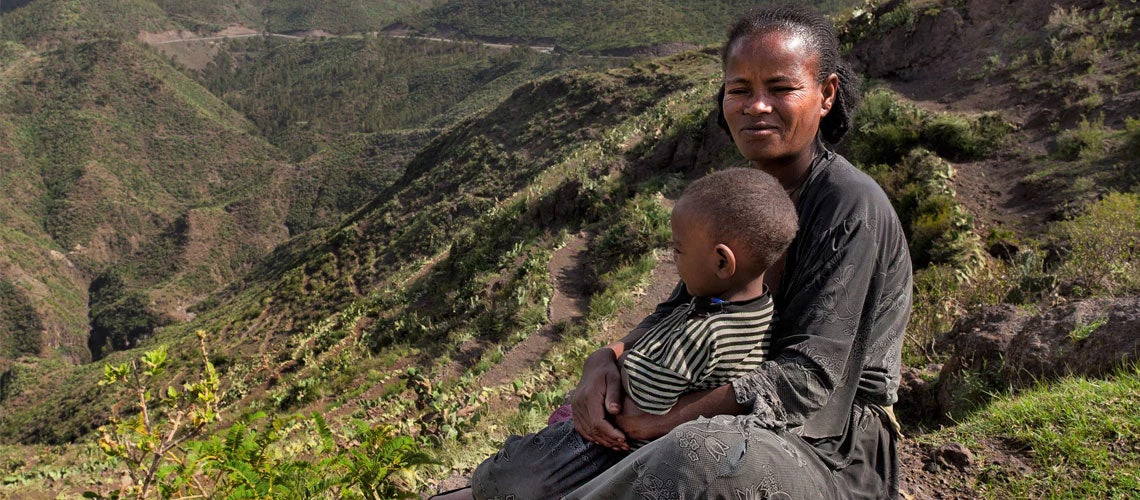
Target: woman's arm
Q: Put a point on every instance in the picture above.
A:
(599, 393)
(691, 405)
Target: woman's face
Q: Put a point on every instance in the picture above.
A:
(773, 101)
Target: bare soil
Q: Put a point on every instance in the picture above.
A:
(567, 304)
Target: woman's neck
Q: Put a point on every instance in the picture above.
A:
(792, 172)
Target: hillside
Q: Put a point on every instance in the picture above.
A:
(123, 169)
(338, 16)
(597, 26)
(302, 95)
(34, 21)
(451, 262)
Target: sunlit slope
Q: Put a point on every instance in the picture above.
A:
(36, 20)
(476, 206)
(594, 25)
(116, 163)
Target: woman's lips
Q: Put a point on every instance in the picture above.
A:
(759, 129)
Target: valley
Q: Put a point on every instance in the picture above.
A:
(418, 233)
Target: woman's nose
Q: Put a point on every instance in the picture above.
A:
(758, 105)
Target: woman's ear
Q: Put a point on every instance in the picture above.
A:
(830, 89)
(726, 262)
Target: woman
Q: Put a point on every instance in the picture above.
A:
(814, 422)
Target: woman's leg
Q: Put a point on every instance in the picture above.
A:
(722, 457)
(547, 464)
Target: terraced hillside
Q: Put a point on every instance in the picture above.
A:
(121, 168)
(446, 296)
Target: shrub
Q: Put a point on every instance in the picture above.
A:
(1132, 137)
(1102, 247)
(641, 226)
(886, 129)
(960, 138)
(1089, 141)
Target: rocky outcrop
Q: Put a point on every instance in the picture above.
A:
(1001, 347)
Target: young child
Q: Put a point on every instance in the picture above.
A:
(728, 229)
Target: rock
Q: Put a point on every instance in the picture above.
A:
(979, 344)
(917, 396)
(954, 455)
(999, 347)
(1091, 337)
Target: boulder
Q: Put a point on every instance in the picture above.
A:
(1000, 347)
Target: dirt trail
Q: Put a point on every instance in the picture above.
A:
(568, 304)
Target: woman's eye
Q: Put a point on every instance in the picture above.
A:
(736, 91)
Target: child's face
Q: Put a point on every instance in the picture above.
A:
(694, 253)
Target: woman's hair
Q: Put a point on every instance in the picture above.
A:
(819, 35)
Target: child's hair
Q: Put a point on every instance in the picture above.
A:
(746, 209)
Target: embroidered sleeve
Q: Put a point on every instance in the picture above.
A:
(820, 317)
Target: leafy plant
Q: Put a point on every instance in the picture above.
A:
(1102, 247)
(1089, 141)
(165, 420)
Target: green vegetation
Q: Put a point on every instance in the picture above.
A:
(593, 25)
(1090, 53)
(31, 21)
(338, 16)
(1101, 247)
(159, 449)
(1097, 258)
(120, 160)
(1090, 160)
(210, 16)
(120, 317)
(462, 172)
(903, 147)
(302, 95)
(20, 322)
(347, 174)
(1077, 434)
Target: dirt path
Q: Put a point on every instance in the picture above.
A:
(568, 304)
(991, 189)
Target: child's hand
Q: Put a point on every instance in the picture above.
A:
(638, 424)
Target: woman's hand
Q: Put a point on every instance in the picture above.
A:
(597, 396)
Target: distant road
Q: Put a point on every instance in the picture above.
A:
(545, 49)
(224, 37)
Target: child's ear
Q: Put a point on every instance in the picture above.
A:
(726, 262)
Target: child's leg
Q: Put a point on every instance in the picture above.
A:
(548, 464)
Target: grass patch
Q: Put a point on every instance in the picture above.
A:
(1080, 434)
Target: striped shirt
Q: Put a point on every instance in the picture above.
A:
(699, 345)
